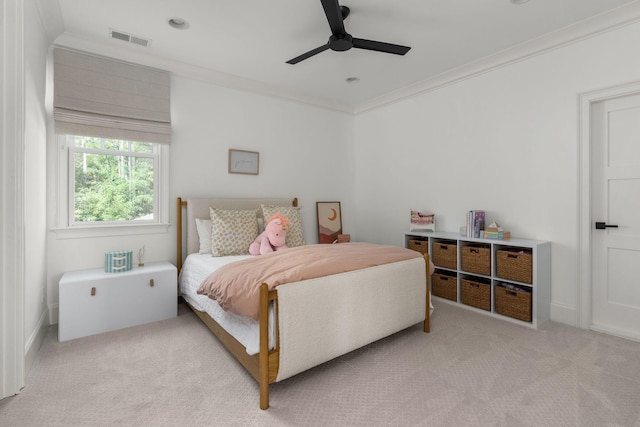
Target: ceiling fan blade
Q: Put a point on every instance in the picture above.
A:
(380, 46)
(334, 16)
(308, 54)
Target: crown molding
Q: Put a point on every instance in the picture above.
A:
(583, 30)
(51, 18)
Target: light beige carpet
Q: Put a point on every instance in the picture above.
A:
(472, 370)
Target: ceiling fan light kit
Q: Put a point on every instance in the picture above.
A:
(341, 41)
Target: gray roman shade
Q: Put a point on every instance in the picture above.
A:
(101, 97)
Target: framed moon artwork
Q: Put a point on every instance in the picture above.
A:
(329, 221)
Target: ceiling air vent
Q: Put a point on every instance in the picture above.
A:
(120, 35)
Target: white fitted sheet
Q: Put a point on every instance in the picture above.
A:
(195, 269)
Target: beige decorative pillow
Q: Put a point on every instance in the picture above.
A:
(232, 231)
(295, 236)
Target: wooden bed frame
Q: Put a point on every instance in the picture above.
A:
(263, 366)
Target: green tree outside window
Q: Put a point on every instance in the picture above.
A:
(114, 180)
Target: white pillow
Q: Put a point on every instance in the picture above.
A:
(204, 235)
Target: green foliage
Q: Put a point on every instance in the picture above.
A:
(112, 187)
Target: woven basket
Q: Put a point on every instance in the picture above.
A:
(444, 286)
(445, 255)
(476, 259)
(514, 265)
(476, 294)
(514, 303)
(421, 246)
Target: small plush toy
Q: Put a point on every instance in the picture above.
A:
(272, 238)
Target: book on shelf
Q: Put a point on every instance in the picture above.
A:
(494, 233)
(475, 223)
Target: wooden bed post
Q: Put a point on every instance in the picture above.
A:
(179, 205)
(264, 346)
(427, 319)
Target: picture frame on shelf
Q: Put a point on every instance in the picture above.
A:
(329, 221)
(244, 162)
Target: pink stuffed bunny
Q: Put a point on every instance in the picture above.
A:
(272, 238)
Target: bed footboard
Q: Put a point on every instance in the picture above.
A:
(317, 320)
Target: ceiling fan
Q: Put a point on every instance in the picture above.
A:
(340, 40)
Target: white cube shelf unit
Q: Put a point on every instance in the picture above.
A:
(536, 284)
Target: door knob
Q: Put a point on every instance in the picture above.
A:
(602, 226)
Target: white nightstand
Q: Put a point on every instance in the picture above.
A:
(93, 301)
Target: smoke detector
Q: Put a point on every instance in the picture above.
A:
(129, 38)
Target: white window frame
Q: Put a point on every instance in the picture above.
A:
(65, 226)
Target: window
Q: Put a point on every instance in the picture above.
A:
(112, 181)
(109, 184)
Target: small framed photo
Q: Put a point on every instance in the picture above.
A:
(245, 162)
(329, 221)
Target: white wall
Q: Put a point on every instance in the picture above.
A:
(35, 149)
(12, 366)
(505, 141)
(305, 152)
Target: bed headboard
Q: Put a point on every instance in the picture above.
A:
(199, 208)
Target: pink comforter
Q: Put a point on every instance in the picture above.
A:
(236, 286)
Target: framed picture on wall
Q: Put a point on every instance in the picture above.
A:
(245, 162)
(329, 221)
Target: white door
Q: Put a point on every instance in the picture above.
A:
(615, 166)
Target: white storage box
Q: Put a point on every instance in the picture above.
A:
(94, 301)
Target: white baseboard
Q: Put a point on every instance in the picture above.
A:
(35, 341)
(564, 314)
(621, 333)
(559, 313)
(54, 314)
(569, 316)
